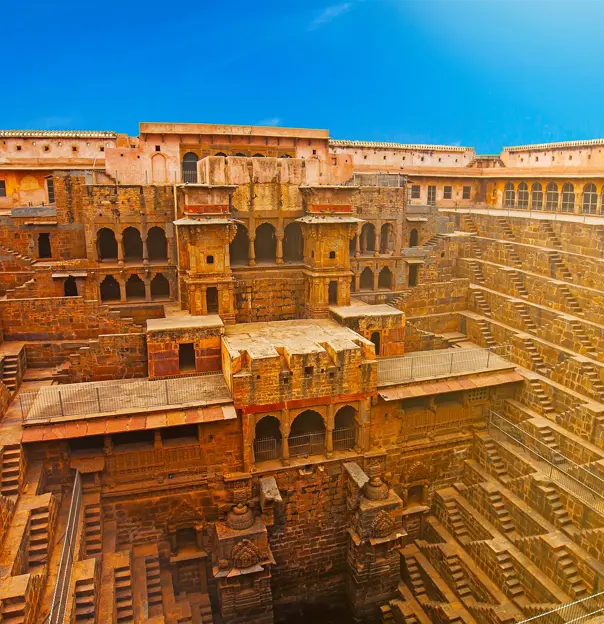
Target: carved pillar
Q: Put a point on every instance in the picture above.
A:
(120, 281)
(120, 249)
(329, 430)
(252, 252)
(285, 429)
(357, 251)
(279, 259)
(145, 250)
(376, 275)
(147, 282)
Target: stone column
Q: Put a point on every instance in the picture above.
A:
(357, 251)
(145, 250)
(147, 289)
(120, 281)
(279, 259)
(157, 443)
(329, 430)
(357, 280)
(120, 249)
(285, 429)
(376, 275)
(252, 252)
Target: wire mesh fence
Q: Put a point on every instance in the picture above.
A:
(307, 444)
(111, 396)
(343, 438)
(584, 484)
(440, 363)
(581, 610)
(266, 449)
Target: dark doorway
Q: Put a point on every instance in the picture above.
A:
(333, 293)
(157, 245)
(367, 238)
(413, 238)
(366, 282)
(239, 247)
(386, 239)
(385, 278)
(70, 288)
(267, 441)
(135, 288)
(189, 168)
(186, 357)
(344, 433)
(160, 287)
(212, 300)
(44, 250)
(110, 289)
(293, 243)
(376, 339)
(352, 246)
(413, 268)
(106, 244)
(266, 243)
(133, 244)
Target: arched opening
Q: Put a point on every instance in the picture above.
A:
(285, 156)
(158, 168)
(367, 238)
(241, 155)
(413, 238)
(413, 269)
(157, 244)
(70, 288)
(220, 154)
(189, 168)
(551, 197)
(589, 200)
(110, 289)
(307, 435)
(160, 287)
(135, 288)
(366, 281)
(267, 439)
(509, 197)
(106, 244)
(133, 244)
(344, 432)
(386, 239)
(44, 250)
(258, 156)
(523, 195)
(536, 196)
(568, 198)
(293, 243)
(415, 495)
(265, 244)
(239, 247)
(212, 300)
(385, 278)
(333, 293)
(376, 339)
(352, 246)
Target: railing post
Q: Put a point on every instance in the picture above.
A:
(451, 366)
(166, 391)
(411, 375)
(61, 402)
(488, 357)
(98, 399)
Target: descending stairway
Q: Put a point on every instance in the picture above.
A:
(511, 584)
(10, 370)
(457, 524)
(85, 601)
(154, 593)
(92, 530)
(495, 461)
(468, 224)
(485, 330)
(502, 222)
(547, 228)
(477, 274)
(570, 301)
(547, 407)
(481, 302)
(13, 609)
(39, 535)
(123, 595)
(561, 517)
(460, 581)
(518, 284)
(504, 519)
(546, 436)
(417, 584)
(538, 362)
(558, 266)
(11, 470)
(593, 375)
(583, 338)
(512, 255)
(569, 571)
(524, 315)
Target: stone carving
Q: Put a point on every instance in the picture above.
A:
(240, 517)
(382, 525)
(244, 555)
(375, 489)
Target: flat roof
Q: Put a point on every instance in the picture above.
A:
(365, 309)
(59, 134)
(150, 127)
(184, 321)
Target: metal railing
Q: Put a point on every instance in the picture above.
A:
(266, 449)
(110, 396)
(343, 438)
(189, 176)
(307, 444)
(578, 611)
(440, 363)
(580, 481)
(61, 593)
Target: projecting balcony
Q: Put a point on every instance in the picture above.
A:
(113, 398)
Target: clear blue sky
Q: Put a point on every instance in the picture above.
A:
(484, 73)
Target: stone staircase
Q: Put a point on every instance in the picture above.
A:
(524, 315)
(400, 297)
(476, 271)
(545, 435)
(495, 461)
(481, 302)
(503, 224)
(548, 230)
(511, 584)
(569, 299)
(467, 222)
(460, 580)
(154, 593)
(415, 579)
(518, 284)
(512, 255)
(124, 612)
(40, 528)
(435, 240)
(23, 258)
(593, 375)
(476, 250)
(568, 570)
(485, 330)
(85, 601)
(12, 466)
(558, 267)
(13, 610)
(460, 531)
(583, 338)
(92, 531)
(547, 408)
(538, 362)
(504, 520)
(10, 371)
(559, 513)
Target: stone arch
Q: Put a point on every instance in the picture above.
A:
(387, 239)
(158, 168)
(385, 278)
(589, 200)
(344, 431)
(523, 195)
(366, 281)
(265, 243)
(189, 167)
(157, 243)
(376, 338)
(551, 197)
(307, 434)
(160, 287)
(509, 195)
(293, 243)
(267, 438)
(368, 238)
(536, 196)
(110, 289)
(132, 244)
(106, 244)
(413, 238)
(70, 287)
(239, 247)
(135, 288)
(212, 300)
(568, 198)
(220, 154)
(44, 248)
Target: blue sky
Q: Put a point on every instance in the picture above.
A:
(484, 73)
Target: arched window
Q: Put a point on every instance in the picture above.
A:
(239, 247)
(536, 196)
(240, 154)
(368, 238)
(258, 156)
(509, 198)
(386, 239)
(376, 339)
(523, 195)
(551, 197)
(307, 435)
(70, 288)
(157, 245)
(590, 199)
(293, 243)
(385, 278)
(267, 439)
(160, 287)
(220, 154)
(366, 282)
(212, 300)
(135, 288)
(285, 156)
(413, 238)
(110, 289)
(106, 244)
(133, 244)
(344, 433)
(189, 168)
(568, 198)
(265, 244)
(352, 246)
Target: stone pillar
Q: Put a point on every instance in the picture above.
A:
(122, 284)
(376, 275)
(279, 258)
(329, 429)
(357, 280)
(147, 289)
(120, 249)
(157, 443)
(357, 251)
(252, 252)
(145, 250)
(285, 429)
